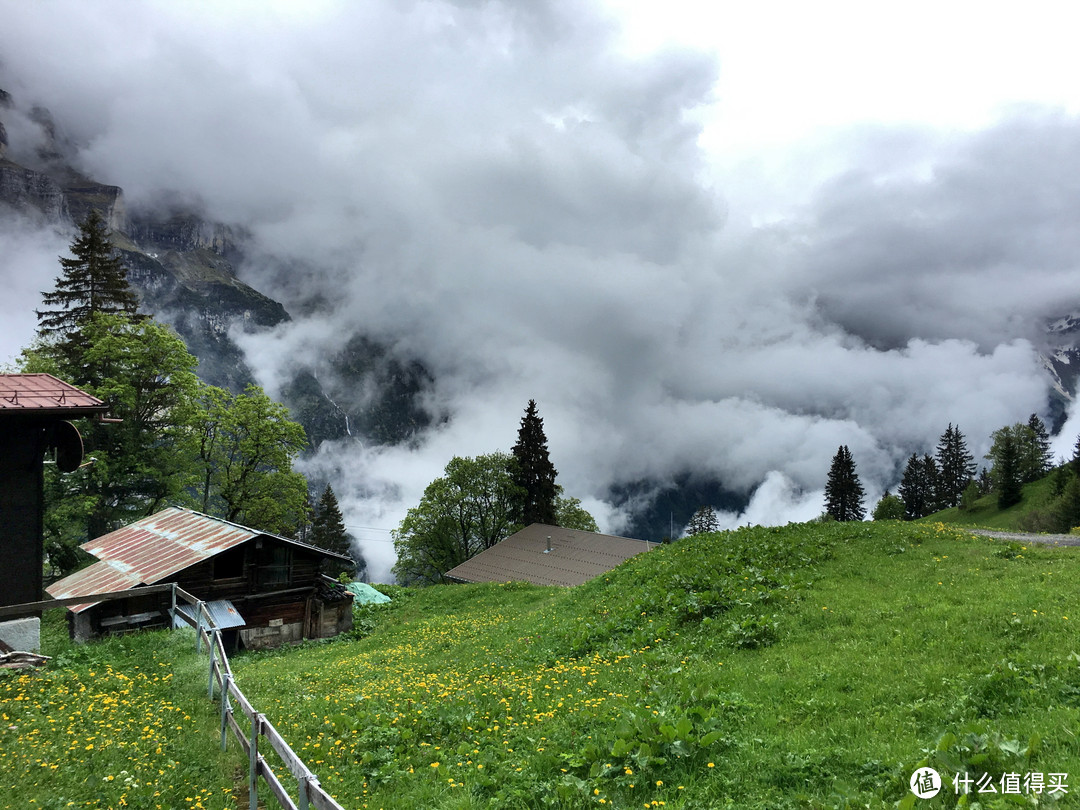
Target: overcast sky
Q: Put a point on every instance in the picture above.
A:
(724, 242)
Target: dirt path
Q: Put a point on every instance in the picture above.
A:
(1025, 537)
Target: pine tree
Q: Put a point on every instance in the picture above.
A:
(918, 487)
(1041, 457)
(92, 282)
(956, 466)
(843, 492)
(1007, 472)
(703, 521)
(533, 471)
(328, 527)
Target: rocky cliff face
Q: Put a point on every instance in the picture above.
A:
(182, 267)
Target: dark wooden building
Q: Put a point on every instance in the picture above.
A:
(33, 413)
(263, 589)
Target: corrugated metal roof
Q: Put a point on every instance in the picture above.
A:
(169, 541)
(44, 394)
(100, 577)
(222, 611)
(155, 548)
(575, 557)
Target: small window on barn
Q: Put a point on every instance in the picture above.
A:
(230, 564)
(275, 565)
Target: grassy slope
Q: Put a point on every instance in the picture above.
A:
(120, 723)
(810, 666)
(986, 514)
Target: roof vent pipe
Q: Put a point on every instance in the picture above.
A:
(548, 549)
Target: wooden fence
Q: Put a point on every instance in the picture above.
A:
(309, 793)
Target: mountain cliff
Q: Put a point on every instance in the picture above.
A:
(183, 269)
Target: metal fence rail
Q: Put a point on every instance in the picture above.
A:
(309, 792)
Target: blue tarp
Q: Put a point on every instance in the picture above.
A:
(364, 594)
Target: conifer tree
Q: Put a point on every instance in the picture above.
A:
(918, 487)
(955, 466)
(703, 521)
(843, 491)
(533, 471)
(92, 282)
(1041, 458)
(1007, 471)
(328, 526)
(328, 531)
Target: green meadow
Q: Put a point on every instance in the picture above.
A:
(810, 666)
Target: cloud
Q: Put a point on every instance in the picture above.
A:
(501, 192)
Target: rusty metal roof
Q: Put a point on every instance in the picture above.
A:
(45, 395)
(103, 576)
(575, 557)
(155, 548)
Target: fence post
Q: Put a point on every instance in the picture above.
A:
(172, 608)
(210, 686)
(253, 762)
(226, 709)
(302, 793)
(198, 627)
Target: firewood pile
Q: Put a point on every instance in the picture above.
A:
(21, 660)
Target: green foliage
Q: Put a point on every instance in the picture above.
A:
(955, 465)
(890, 507)
(865, 649)
(246, 446)
(703, 521)
(146, 375)
(533, 472)
(919, 487)
(93, 282)
(843, 490)
(470, 508)
(570, 514)
(123, 722)
(328, 531)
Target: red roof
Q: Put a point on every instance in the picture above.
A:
(44, 394)
(155, 548)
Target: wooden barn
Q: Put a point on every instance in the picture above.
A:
(263, 590)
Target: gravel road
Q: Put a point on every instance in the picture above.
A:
(1024, 537)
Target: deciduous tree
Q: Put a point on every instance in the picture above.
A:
(247, 446)
(570, 514)
(470, 508)
(140, 463)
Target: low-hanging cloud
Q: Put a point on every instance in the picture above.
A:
(494, 189)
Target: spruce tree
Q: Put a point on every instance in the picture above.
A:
(918, 487)
(843, 491)
(92, 282)
(1041, 457)
(1007, 472)
(328, 528)
(956, 466)
(703, 522)
(533, 471)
